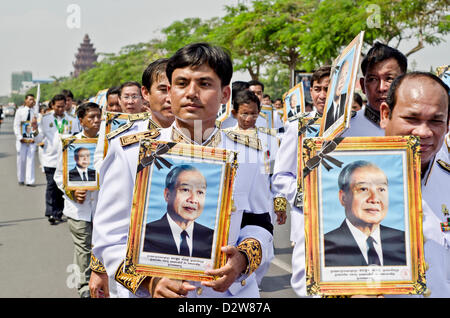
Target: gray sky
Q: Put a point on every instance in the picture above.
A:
(36, 36)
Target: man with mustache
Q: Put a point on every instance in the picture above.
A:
(361, 240)
(185, 194)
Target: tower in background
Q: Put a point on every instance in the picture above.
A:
(85, 58)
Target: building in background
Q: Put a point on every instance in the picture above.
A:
(85, 58)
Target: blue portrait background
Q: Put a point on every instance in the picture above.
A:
(213, 172)
(332, 212)
(71, 159)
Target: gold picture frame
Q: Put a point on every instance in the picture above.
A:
(152, 248)
(25, 131)
(113, 121)
(343, 77)
(334, 263)
(78, 164)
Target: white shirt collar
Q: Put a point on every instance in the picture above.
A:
(174, 126)
(176, 232)
(361, 240)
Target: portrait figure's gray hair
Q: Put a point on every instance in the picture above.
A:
(347, 171)
(172, 176)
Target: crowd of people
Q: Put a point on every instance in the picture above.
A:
(179, 99)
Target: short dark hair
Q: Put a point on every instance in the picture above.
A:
(380, 52)
(173, 174)
(347, 171)
(114, 90)
(58, 97)
(84, 108)
(357, 98)
(238, 86)
(67, 93)
(28, 95)
(320, 73)
(256, 83)
(391, 98)
(76, 151)
(197, 54)
(245, 97)
(153, 71)
(129, 84)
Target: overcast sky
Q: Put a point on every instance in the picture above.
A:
(43, 37)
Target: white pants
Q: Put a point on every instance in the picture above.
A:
(25, 163)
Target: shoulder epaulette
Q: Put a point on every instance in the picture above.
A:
(152, 124)
(246, 140)
(268, 131)
(218, 123)
(444, 165)
(119, 130)
(47, 114)
(134, 138)
(139, 116)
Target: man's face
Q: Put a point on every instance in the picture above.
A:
(158, 98)
(319, 93)
(293, 101)
(84, 158)
(196, 94)
(257, 89)
(187, 199)
(278, 104)
(421, 110)
(366, 202)
(59, 107)
(69, 102)
(131, 100)
(92, 120)
(30, 101)
(247, 115)
(113, 104)
(377, 81)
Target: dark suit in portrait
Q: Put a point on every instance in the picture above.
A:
(159, 239)
(341, 248)
(331, 119)
(74, 175)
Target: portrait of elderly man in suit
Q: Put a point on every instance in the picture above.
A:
(81, 171)
(337, 106)
(177, 233)
(361, 240)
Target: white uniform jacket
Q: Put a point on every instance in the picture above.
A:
(48, 133)
(112, 217)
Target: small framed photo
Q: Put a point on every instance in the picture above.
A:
(78, 164)
(25, 129)
(113, 121)
(181, 210)
(343, 78)
(267, 113)
(308, 127)
(305, 78)
(363, 219)
(293, 102)
(224, 111)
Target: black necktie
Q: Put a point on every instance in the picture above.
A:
(29, 114)
(373, 256)
(184, 248)
(84, 176)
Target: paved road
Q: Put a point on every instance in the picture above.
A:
(36, 257)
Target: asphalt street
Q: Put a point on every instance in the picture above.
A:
(36, 258)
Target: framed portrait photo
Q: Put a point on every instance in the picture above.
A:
(343, 78)
(305, 78)
(181, 210)
(363, 216)
(293, 102)
(267, 113)
(113, 121)
(78, 164)
(224, 111)
(25, 129)
(308, 127)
